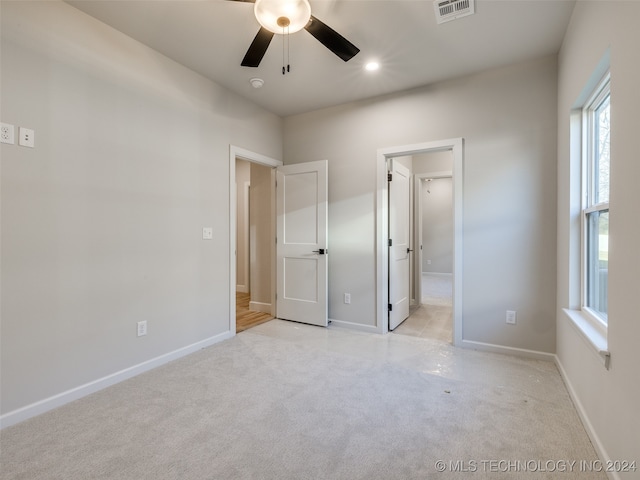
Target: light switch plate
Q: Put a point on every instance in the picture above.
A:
(207, 233)
(142, 328)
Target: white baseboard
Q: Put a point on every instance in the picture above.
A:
(519, 352)
(42, 406)
(354, 326)
(584, 418)
(437, 274)
(260, 307)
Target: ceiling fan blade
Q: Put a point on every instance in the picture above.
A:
(246, 1)
(331, 39)
(258, 48)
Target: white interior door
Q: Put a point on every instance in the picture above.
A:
(400, 244)
(302, 243)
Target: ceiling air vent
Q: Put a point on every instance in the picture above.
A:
(447, 10)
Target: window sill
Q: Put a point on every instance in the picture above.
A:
(594, 337)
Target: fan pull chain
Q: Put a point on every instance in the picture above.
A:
(288, 43)
(285, 36)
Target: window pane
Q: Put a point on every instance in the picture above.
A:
(598, 261)
(602, 151)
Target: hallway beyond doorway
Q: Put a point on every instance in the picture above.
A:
(428, 321)
(437, 289)
(246, 318)
(433, 318)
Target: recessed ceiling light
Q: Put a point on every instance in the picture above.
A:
(372, 66)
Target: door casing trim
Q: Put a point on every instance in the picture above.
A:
(253, 157)
(456, 145)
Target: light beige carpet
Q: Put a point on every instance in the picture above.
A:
(289, 401)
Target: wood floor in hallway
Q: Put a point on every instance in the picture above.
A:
(246, 318)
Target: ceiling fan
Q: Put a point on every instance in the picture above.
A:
(290, 16)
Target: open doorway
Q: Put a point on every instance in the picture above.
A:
(254, 231)
(252, 239)
(299, 269)
(430, 278)
(433, 160)
(432, 315)
(435, 232)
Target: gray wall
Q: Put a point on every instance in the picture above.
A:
(607, 399)
(433, 162)
(243, 271)
(261, 227)
(507, 117)
(255, 257)
(437, 209)
(102, 221)
(437, 226)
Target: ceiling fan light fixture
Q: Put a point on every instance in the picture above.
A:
(276, 15)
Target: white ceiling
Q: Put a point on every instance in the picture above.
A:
(212, 36)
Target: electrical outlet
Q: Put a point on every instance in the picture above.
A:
(142, 328)
(7, 133)
(511, 317)
(26, 137)
(347, 298)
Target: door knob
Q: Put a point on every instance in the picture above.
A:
(321, 251)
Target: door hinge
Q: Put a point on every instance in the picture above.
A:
(389, 177)
(390, 243)
(390, 307)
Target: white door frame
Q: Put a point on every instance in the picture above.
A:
(253, 157)
(456, 145)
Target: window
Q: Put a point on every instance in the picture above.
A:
(596, 125)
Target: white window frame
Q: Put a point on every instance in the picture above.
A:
(600, 93)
